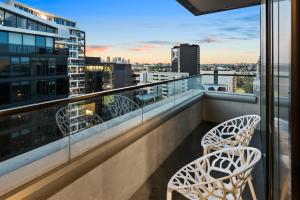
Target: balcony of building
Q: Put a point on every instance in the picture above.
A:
(126, 145)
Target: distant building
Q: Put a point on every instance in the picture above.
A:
(214, 82)
(168, 89)
(186, 58)
(106, 76)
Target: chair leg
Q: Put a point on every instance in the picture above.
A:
(169, 194)
(251, 188)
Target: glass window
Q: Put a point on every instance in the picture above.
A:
(15, 60)
(21, 22)
(10, 20)
(28, 40)
(3, 37)
(50, 29)
(31, 25)
(15, 38)
(49, 42)
(4, 66)
(40, 41)
(41, 27)
(2, 17)
(24, 60)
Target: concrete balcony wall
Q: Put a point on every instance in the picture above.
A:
(120, 176)
(219, 107)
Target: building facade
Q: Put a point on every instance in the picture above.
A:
(168, 90)
(106, 76)
(186, 59)
(32, 70)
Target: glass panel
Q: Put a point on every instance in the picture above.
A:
(2, 17)
(50, 29)
(28, 40)
(40, 41)
(10, 20)
(4, 66)
(21, 22)
(15, 38)
(30, 143)
(96, 120)
(41, 27)
(24, 60)
(31, 25)
(49, 42)
(3, 37)
(15, 60)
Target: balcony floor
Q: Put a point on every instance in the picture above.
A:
(155, 187)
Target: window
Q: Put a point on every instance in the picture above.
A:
(24, 60)
(50, 29)
(2, 17)
(15, 38)
(28, 40)
(21, 22)
(31, 25)
(4, 66)
(49, 42)
(15, 60)
(3, 37)
(41, 27)
(10, 19)
(40, 41)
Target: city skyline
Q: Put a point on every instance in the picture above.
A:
(226, 37)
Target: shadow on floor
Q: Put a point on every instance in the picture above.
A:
(155, 187)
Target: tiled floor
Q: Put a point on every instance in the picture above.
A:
(189, 150)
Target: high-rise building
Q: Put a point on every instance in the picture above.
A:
(72, 38)
(69, 36)
(32, 70)
(186, 58)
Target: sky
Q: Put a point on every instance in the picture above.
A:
(144, 31)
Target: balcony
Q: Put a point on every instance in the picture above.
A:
(123, 136)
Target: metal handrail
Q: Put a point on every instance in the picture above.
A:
(64, 101)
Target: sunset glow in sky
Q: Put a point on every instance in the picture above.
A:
(145, 30)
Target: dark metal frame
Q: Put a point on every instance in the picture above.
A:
(295, 100)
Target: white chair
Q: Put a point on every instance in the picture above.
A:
(221, 175)
(121, 105)
(232, 133)
(62, 117)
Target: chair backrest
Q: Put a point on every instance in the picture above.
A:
(121, 105)
(63, 120)
(222, 174)
(232, 133)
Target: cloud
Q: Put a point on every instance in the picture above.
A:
(159, 42)
(249, 52)
(209, 39)
(93, 50)
(250, 18)
(140, 48)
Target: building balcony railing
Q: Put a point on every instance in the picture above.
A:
(52, 141)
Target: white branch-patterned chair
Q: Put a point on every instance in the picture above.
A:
(219, 175)
(235, 132)
(62, 117)
(121, 105)
(232, 133)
